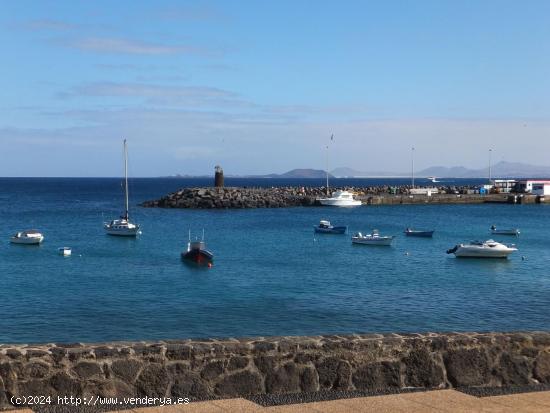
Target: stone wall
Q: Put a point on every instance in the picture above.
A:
(209, 198)
(240, 367)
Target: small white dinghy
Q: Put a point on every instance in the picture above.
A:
(485, 249)
(373, 238)
(29, 237)
(65, 251)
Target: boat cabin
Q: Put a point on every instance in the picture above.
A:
(197, 245)
(324, 224)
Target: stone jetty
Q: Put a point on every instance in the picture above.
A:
(284, 197)
(209, 198)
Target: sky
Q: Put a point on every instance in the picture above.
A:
(259, 87)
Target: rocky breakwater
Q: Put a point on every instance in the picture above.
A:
(209, 198)
(201, 369)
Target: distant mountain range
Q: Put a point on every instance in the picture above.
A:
(500, 170)
(353, 173)
(299, 173)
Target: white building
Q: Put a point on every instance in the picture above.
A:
(535, 187)
(541, 189)
(505, 186)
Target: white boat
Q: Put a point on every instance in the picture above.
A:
(123, 226)
(372, 239)
(485, 249)
(65, 251)
(433, 179)
(29, 237)
(340, 199)
(509, 231)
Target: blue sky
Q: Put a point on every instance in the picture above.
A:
(259, 87)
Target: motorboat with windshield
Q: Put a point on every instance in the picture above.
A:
(482, 249)
(340, 199)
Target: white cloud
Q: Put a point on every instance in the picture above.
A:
(181, 141)
(154, 94)
(128, 46)
(49, 25)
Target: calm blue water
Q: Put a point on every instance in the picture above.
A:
(271, 276)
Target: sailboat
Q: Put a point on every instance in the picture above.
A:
(122, 226)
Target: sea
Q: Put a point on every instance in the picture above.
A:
(271, 276)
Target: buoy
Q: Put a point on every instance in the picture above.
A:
(523, 257)
(209, 265)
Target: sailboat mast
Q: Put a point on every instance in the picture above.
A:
(126, 177)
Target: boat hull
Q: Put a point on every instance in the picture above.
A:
(480, 252)
(333, 230)
(422, 234)
(122, 232)
(27, 241)
(380, 242)
(339, 202)
(200, 257)
(505, 231)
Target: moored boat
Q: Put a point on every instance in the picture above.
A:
(482, 249)
(340, 199)
(29, 237)
(325, 227)
(373, 238)
(122, 226)
(409, 232)
(197, 253)
(65, 251)
(508, 231)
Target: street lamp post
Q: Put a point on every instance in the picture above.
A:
(412, 167)
(490, 164)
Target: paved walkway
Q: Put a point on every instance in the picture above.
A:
(431, 401)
